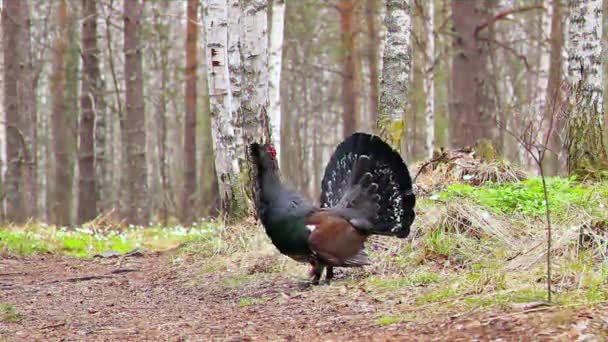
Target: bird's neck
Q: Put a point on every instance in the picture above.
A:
(270, 183)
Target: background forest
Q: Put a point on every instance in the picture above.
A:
(112, 107)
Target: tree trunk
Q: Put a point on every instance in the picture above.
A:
(274, 65)
(189, 190)
(554, 93)
(350, 93)
(162, 30)
(21, 118)
(61, 206)
(396, 68)
(96, 86)
(254, 57)
(371, 12)
(255, 100)
(586, 150)
(429, 79)
(87, 189)
(223, 128)
(472, 119)
(137, 194)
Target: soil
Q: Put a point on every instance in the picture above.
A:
(153, 297)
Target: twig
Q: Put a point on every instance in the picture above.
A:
(53, 326)
(77, 279)
(502, 15)
(125, 270)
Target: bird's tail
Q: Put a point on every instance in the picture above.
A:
(368, 182)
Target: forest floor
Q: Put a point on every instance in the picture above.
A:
(473, 268)
(151, 297)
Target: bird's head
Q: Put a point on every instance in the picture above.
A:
(263, 156)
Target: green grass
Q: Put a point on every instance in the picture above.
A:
(247, 301)
(388, 320)
(8, 314)
(527, 197)
(83, 242)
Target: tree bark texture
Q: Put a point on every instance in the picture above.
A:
(21, 119)
(224, 134)
(396, 63)
(350, 92)
(189, 191)
(137, 194)
(472, 118)
(274, 66)
(429, 79)
(87, 185)
(60, 122)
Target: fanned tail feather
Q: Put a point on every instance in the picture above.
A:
(368, 182)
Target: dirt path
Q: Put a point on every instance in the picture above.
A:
(152, 297)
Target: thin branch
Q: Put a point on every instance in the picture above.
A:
(502, 15)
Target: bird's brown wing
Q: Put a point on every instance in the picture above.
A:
(335, 240)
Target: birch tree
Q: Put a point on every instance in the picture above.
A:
(429, 78)
(254, 56)
(396, 66)
(274, 78)
(585, 75)
(220, 97)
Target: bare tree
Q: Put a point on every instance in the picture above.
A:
(429, 78)
(586, 148)
(137, 194)
(87, 184)
(223, 128)
(471, 119)
(21, 118)
(61, 200)
(371, 12)
(189, 191)
(350, 94)
(396, 63)
(275, 64)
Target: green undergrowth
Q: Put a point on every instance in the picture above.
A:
(9, 314)
(527, 197)
(85, 242)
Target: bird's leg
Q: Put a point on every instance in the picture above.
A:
(317, 271)
(329, 275)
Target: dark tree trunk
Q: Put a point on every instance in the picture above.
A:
(350, 93)
(87, 189)
(189, 190)
(135, 134)
(61, 203)
(371, 9)
(472, 118)
(21, 120)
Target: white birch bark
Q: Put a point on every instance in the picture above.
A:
(235, 70)
(254, 58)
(274, 65)
(223, 130)
(396, 61)
(429, 79)
(585, 49)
